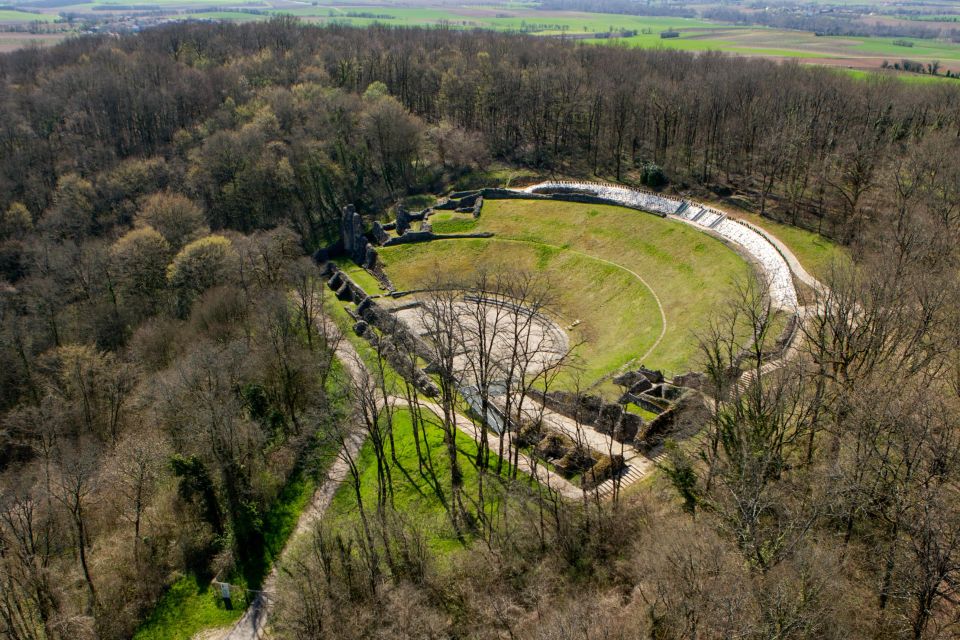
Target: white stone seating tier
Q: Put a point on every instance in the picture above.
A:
(630, 197)
(754, 244)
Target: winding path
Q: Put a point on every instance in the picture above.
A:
(253, 624)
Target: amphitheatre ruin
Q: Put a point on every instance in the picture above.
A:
(634, 276)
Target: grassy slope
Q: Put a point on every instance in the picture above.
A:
(359, 275)
(691, 273)
(618, 315)
(186, 608)
(452, 222)
(189, 607)
(414, 495)
(814, 252)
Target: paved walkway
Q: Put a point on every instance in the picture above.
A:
(544, 475)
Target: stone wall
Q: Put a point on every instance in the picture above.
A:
(351, 235)
(403, 220)
(606, 417)
(427, 236)
(684, 416)
(400, 346)
(463, 201)
(397, 356)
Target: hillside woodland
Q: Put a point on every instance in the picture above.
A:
(164, 378)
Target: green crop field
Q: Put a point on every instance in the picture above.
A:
(9, 15)
(594, 258)
(695, 35)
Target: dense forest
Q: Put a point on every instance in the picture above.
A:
(164, 374)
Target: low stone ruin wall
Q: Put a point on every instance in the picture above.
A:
(463, 202)
(343, 285)
(568, 457)
(386, 322)
(472, 201)
(606, 417)
(398, 344)
(685, 411)
(426, 236)
(398, 356)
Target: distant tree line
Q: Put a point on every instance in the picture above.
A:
(284, 134)
(826, 24)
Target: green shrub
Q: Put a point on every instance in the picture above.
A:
(652, 175)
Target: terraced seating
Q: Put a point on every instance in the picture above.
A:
(624, 195)
(755, 244)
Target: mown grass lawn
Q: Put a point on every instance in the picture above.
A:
(692, 273)
(615, 315)
(415, 493)
(359, 275)
(452, 222)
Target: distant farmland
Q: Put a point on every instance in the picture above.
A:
(854, 53)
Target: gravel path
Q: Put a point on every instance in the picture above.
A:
(252, 626)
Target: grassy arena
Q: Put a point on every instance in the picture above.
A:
(572, 246)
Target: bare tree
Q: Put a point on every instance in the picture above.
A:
(138, 467)
(75, 485)
(440, 316)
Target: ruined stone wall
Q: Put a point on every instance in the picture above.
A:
(351, 235)
(400, 345)
(426, 236)
(606, 417)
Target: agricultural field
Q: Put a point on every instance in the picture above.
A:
(692, 34)
(612, 269)
(14, 41)
(8, 15)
